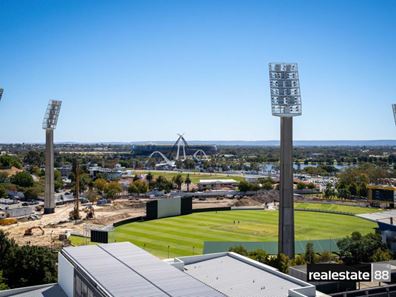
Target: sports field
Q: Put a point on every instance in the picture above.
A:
(332, 207)
(194, 176)
(185, 235)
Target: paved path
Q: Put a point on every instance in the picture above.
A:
(379, 216)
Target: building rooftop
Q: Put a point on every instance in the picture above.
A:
(217, 181)
(126, 270)
(238, 276)
(51, 290)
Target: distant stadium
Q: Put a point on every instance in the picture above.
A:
(144, 150)
(179, 148)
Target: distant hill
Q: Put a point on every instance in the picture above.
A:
(359, 143)
(276, 143)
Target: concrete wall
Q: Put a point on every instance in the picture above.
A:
(19, 212)
(169, 207)
(65, 275)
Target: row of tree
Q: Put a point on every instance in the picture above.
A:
(354, 249)
(161, 183)
(22, 266)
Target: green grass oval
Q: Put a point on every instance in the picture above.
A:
(185, 235)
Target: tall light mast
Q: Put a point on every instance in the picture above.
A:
(1, 93)
(394, 112)
(49, 125)
(286, 103)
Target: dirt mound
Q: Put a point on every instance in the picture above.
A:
(246, 201)
(259, 199)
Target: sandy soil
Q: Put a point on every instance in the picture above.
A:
(58, 223)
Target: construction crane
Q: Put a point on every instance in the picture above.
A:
(75, 213)
(29, 231)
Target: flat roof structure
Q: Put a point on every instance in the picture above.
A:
(125, 270)
(217, 181)
(49, 290)
(379, 216)
(238, 276)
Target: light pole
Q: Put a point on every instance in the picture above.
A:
(286, 103)
(1, 93)
(394, 112)
(49, 125)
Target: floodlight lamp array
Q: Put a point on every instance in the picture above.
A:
(285, 89)
(52, 114)
(1, 93)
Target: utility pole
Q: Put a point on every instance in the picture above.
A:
(75, 213)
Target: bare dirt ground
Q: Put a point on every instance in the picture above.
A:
(58, 223)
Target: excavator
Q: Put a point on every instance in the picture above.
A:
(29, 231)
(90, 212)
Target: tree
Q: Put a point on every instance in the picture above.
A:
(138, 187)
(149, 177)
(92, 196)
(112, 189)
(25, 265)
(245, 186)
(31, 193)
(326, 256)
(281, 261)
(178, 180)
(22, 179)
(32, 265)
(267, 185)
(354, 180)
(188, 182)
(3, 284)
(311, 186)
(162, 184)
(85, 181)
(34, 158)
(259, 255)
(58, 180)
(309, 255)
(3, 177)
(381, 255)
(3, 192)
(239, 250)
(356, 249)
(100, 184)
(329, 191)
(298, 260)
(7, 161)
(301, 186)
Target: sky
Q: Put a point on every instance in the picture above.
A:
(144, 70)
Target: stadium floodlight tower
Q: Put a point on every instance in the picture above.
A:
(1, 93)
(286, 103)
(49, 124)
(394, 112)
